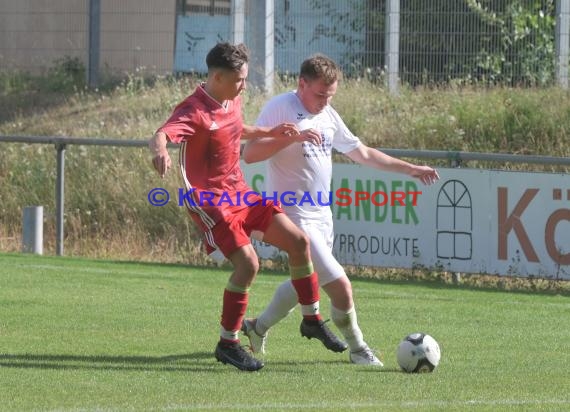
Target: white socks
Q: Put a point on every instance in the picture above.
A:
(347, 323)
(283, 302)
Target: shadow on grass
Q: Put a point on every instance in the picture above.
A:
(191, 362)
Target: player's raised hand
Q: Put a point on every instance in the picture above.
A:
(284, 130)
(425, 174)
(310, 135)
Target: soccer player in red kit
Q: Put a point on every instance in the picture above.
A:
(208, 126)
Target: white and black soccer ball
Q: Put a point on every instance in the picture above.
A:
(418, 353)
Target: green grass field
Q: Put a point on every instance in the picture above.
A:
(88, 335)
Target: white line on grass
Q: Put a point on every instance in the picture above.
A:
(353, 405)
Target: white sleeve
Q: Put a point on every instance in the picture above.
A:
(344, 141)
(271, 114)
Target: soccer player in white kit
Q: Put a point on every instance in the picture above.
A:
(302, 163)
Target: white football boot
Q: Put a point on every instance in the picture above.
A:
(256, 341)
(365, 356)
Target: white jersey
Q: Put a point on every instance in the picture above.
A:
(300, 175)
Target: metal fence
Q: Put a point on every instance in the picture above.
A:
(507, 42)
(455, 159)
(504, 42)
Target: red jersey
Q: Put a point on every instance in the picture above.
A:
(209, 134)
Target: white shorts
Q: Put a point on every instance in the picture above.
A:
(321, 236)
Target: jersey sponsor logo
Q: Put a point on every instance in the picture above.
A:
(323, 150)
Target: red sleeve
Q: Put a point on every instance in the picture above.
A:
(180, 125)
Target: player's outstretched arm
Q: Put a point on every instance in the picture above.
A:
(263, 142)
(368, 156)
(257, 150)
(425, 174)
(279, 131)
(160, 157)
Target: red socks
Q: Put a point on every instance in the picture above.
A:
(233, 311)
(308, 291)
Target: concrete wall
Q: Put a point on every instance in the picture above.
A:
(138, 33)
(134, 33)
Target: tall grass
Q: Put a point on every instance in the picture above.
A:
(107, 213)
(521, 121)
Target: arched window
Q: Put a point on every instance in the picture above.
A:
(454, 222)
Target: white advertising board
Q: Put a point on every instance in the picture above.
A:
(473, 221)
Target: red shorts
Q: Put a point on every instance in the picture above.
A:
(237, 224)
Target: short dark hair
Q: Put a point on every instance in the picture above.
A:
(319, 66)
(227, 56)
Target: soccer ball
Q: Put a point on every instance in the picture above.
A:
(418, 353)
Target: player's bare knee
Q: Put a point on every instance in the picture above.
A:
(302, 243)
(244, 273)
(251, 266)
(246, 263)
(340, 293)
(347, 287)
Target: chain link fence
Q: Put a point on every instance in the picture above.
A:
(506, 42)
